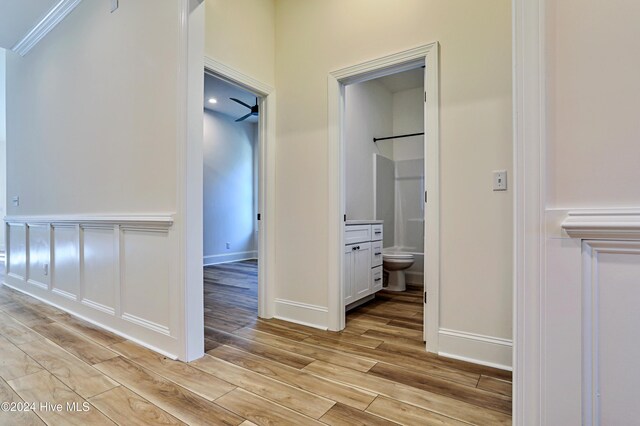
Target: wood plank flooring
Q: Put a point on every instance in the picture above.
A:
(255, 372)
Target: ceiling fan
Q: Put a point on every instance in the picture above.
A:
(254, 109)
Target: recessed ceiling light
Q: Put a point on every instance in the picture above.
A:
(213, 101)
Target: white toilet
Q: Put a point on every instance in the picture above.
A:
(395, 264)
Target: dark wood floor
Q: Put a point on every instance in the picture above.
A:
(375, 372)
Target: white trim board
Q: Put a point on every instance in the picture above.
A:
(163, 221)
(479, 349)
(614, 224)
(427, 55)
(529, 133)
(236, 77)
(217, 259)
(44, 26)
(301, 313)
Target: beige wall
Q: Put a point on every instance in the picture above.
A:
(92, 113)
(317, 36)
(593, 103)
(241, 35)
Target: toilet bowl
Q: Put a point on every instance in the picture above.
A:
(395, 264)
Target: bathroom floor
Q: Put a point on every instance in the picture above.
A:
(391, 317)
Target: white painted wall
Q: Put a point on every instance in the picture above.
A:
(368, 114)
(241, 35)
(229, 190)
(475, 102)
(3, 145)
(592, 99)
(93, 144)
(102, 119)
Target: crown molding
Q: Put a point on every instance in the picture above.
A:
(42, 28)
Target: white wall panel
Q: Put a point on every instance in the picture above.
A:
(39, 254)
(146, 285)
(17, 262)
(611, 347)
(98, 268)
(113, 271)
(65, 273)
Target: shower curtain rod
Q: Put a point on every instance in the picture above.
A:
(397, 137)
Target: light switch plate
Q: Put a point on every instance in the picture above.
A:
(499, 180)
(15, 201)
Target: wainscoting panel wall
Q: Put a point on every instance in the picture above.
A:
(591, 303)
(65, 271)
(16, 251)
(611, 294)
(39, 254)
(116, 272)
(98, 267)
(145, 278)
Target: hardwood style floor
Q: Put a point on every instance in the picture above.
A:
(375, 372)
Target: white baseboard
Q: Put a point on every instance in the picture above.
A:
(92, 321)
(302, 313)
(476, 348)
(217, 259)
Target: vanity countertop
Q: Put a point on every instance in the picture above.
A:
(363, 222)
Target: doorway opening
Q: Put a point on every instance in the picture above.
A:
(231, 211)
(384, 204)
(416, 181)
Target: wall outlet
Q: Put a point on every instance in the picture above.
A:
(499, 180)
(46, 269)
(15, 201)
(228, 246)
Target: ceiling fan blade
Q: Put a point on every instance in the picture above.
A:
(240, 102)
(244, 118)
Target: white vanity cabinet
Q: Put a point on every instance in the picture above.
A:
(362, 260)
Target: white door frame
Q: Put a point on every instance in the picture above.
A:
(529, 130)
(190, 200)
(266, 178)
(427, 55)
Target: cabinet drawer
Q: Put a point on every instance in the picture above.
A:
(376, 253)
(376, 279)
(357, 234)
(376, 232)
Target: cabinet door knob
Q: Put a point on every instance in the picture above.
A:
(353, 248)
(378, 254)
(358, 247)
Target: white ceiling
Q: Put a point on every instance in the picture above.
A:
(222, 91)
(18, 17)
(406, 80)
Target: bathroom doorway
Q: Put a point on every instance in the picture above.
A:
(384, 186)
(385, 147)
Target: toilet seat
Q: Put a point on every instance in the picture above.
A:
(397, 256)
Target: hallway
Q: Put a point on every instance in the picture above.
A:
(267, 371)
